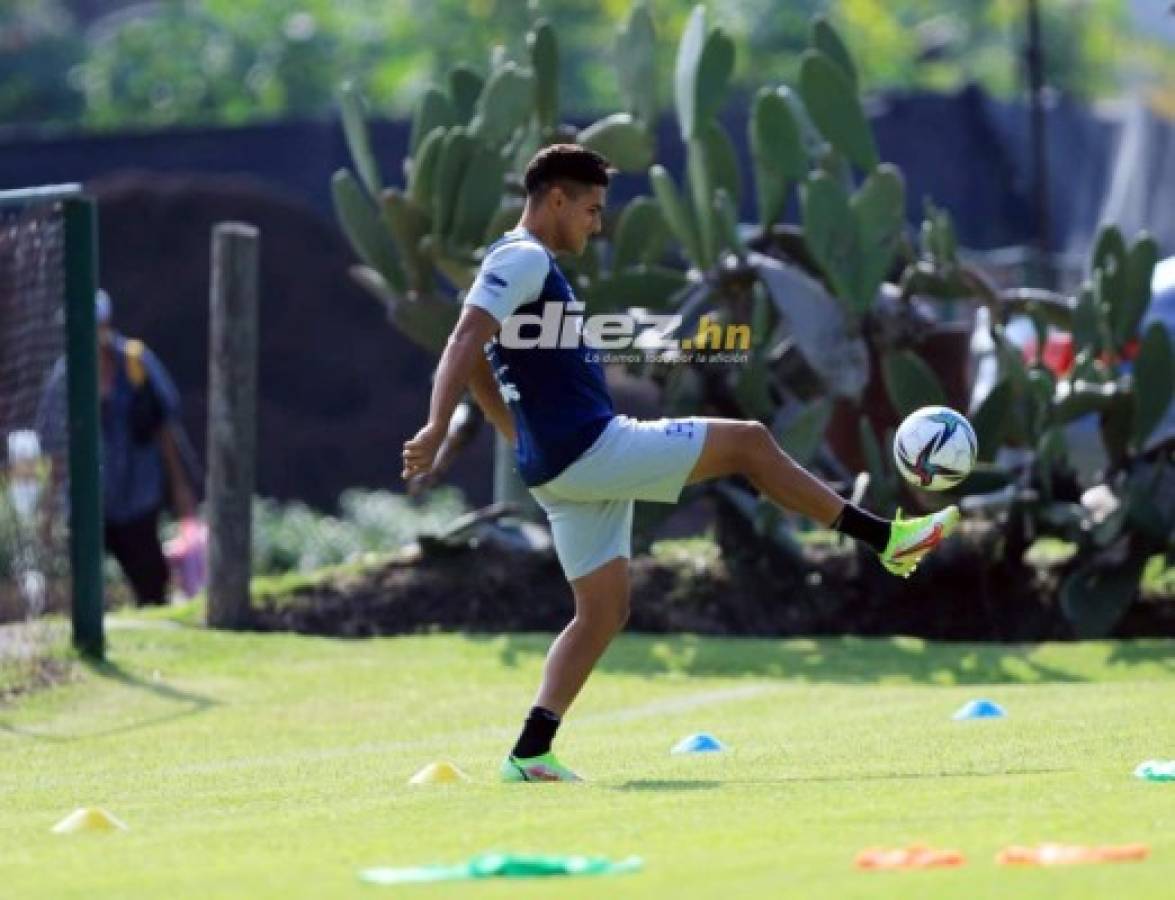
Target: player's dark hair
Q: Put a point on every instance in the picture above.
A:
(570, 166)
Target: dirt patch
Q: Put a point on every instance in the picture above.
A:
(838, 590)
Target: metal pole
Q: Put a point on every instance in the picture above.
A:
(232, 422)
(508, 484)
(85, 479)
(1040, 171)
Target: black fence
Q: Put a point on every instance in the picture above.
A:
(968, 152)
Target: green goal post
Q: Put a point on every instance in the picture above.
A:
(78, 218)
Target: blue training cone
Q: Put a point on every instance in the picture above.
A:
(979, 709)
(699, 743)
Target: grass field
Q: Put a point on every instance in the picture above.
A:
(276, 766)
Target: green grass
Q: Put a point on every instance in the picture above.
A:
(275, 766)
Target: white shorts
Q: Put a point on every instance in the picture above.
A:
(589, 504)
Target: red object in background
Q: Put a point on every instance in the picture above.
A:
(1130, 349)
(1058, 353)
(187, 557)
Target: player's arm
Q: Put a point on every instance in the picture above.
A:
(484, 388)
(185, 498)
(510, 276)
(458, 361)
(488, 397)
(167, 396)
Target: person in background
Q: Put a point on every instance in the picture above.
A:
(1162, 310)
(141, 460)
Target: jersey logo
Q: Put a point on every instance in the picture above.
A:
(506, 388)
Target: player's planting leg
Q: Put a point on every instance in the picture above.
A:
(747, 448)
(601, 609)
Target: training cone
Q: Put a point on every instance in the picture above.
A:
(699, 743)
(979, 709)
(916, 856)
(439, 773)
(88, 818)
(1156, 770)
(1068, 855)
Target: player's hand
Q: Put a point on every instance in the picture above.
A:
(421, 451)
(422, 482)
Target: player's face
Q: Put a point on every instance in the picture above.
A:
(581, 216)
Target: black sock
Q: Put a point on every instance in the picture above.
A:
(537, 733)
(864, 526)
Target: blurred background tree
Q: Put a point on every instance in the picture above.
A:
(39, 44)
(114, 64)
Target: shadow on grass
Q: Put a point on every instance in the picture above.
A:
(702, 784)
(665, 785)
(186, 703)
(844, 660)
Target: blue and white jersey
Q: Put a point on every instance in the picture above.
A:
(557, 395)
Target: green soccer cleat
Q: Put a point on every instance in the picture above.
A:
(912, 539)
(536, 768)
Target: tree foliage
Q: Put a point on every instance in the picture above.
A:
(223, 61)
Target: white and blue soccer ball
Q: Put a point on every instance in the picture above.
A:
(935, 448)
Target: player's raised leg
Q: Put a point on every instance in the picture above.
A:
(735, 447)
(601, 609)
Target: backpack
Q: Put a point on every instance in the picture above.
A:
(147, 415)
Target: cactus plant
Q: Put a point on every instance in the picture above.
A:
(677, 214)
(544, 59)
(824, 38)
(990, 420)
(910, 382)
(1032, 405)
(465, 86)
(635, 54)
(354, 114)
(1095, 596)
(622, 140)
(799, 428)
(408, 224)
(777, 152)
(504, 106)
(467, 146)
(705, 61)
(365, 230)
(884, 484)
(1154, 375)
(854, 240)
(649, 287)
(830, 97)
(434, 110)
(640, 234)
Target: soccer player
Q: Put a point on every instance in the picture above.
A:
(584, 464)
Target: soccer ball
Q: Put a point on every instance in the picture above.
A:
(935, 448)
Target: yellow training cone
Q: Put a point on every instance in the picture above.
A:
(88, 818)
(439, 773)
